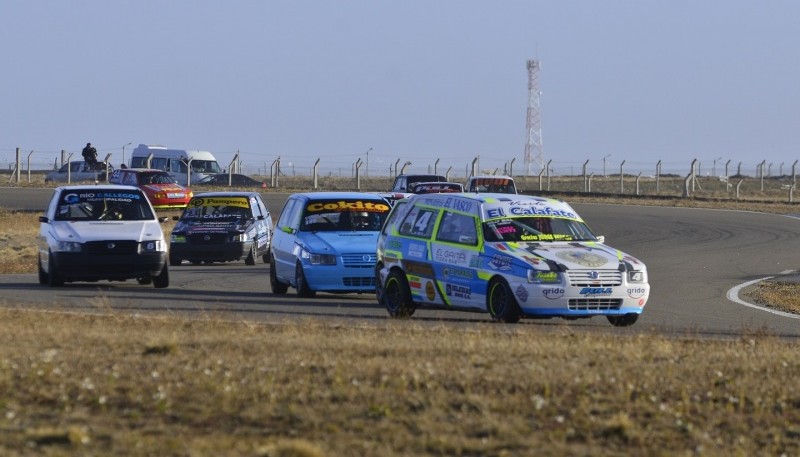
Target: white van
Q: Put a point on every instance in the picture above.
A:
(176, 162)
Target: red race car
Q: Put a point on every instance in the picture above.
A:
(162, 191)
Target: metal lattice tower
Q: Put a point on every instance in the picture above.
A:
(534, 153)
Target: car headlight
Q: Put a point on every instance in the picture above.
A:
(637, 276)
(318, 259)
(544, 277)
(152, 246)
(241, 237)
(69, 246)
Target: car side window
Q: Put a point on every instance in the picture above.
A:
(129, 179)
(290, 213)
(457, 228)
(419, 222)
(396, 211)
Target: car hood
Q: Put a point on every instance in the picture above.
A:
(572, 256)
(212, 225)
(338, 242)
(107, 230)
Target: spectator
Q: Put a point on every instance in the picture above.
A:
(90, 155)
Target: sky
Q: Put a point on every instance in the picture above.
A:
(416, 81)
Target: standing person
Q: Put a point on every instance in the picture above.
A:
(90, 155)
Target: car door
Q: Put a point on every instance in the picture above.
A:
(261, 237)
(283, 239)
(455, 254)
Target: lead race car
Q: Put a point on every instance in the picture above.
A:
(512, 256)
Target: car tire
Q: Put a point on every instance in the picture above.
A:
(303, 290)
(251, 256)
(277, 286)
(144, 281)
(162, 280)
(174, 261)
(265, 257)
(396, 295)
(53, 278)
(501, 303)
(625, 320)
(42, 274)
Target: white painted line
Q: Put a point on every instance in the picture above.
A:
(733, 295)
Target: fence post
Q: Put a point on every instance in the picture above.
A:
(585, 179)
(621, 178)
(658, 175)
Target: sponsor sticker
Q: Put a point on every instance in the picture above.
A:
(212, 201)
(500, 262)
(416, 250)
(594, 291)
(587, 259)
(454, 290)
(430, 292)
(553, 293)
(636, 292)
(342, 205)
(522, 293)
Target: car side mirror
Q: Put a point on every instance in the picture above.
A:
(601, 238)
(287, 229)
(44, 219)
(260, 217)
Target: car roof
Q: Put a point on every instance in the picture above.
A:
(491, 177)
(332, 195)
(143, 170)
(226, 194)
(95, 187)
(494, 205)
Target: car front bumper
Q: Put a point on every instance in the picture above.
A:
(84, 266)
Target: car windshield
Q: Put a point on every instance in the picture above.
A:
(103, 205)
(205, 166)
(344, 215)
(156, 178)
(499, 185)
(536, 229)
(217, 209)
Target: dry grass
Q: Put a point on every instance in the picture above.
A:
(119, 384)
(782, 296)
(115, 384)
(18, 242)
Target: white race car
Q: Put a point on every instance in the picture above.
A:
(512, 256)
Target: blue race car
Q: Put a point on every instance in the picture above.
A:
(326, 242)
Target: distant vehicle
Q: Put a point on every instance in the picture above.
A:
(436, 187)
(325, 242)
(403, 183)
(176, 162)
(162, 191)
(509, 257)
(236, 180)
(492, 183)
(222, 227)
(78, 170)
(101, 232)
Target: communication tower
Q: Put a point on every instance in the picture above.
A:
(533, 147)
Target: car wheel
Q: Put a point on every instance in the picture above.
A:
(144, 281)
(396, 295)
(277, 286)
(162, 280)
(42, 274)
(501, 303)
(174, 261)
(303, 291)
(265, 257)
(53, 278)
(251, 256)
(624, 320)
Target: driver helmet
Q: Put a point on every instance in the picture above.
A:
(360, 219)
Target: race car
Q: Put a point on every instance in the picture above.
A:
(512, 256)
(222, 227)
